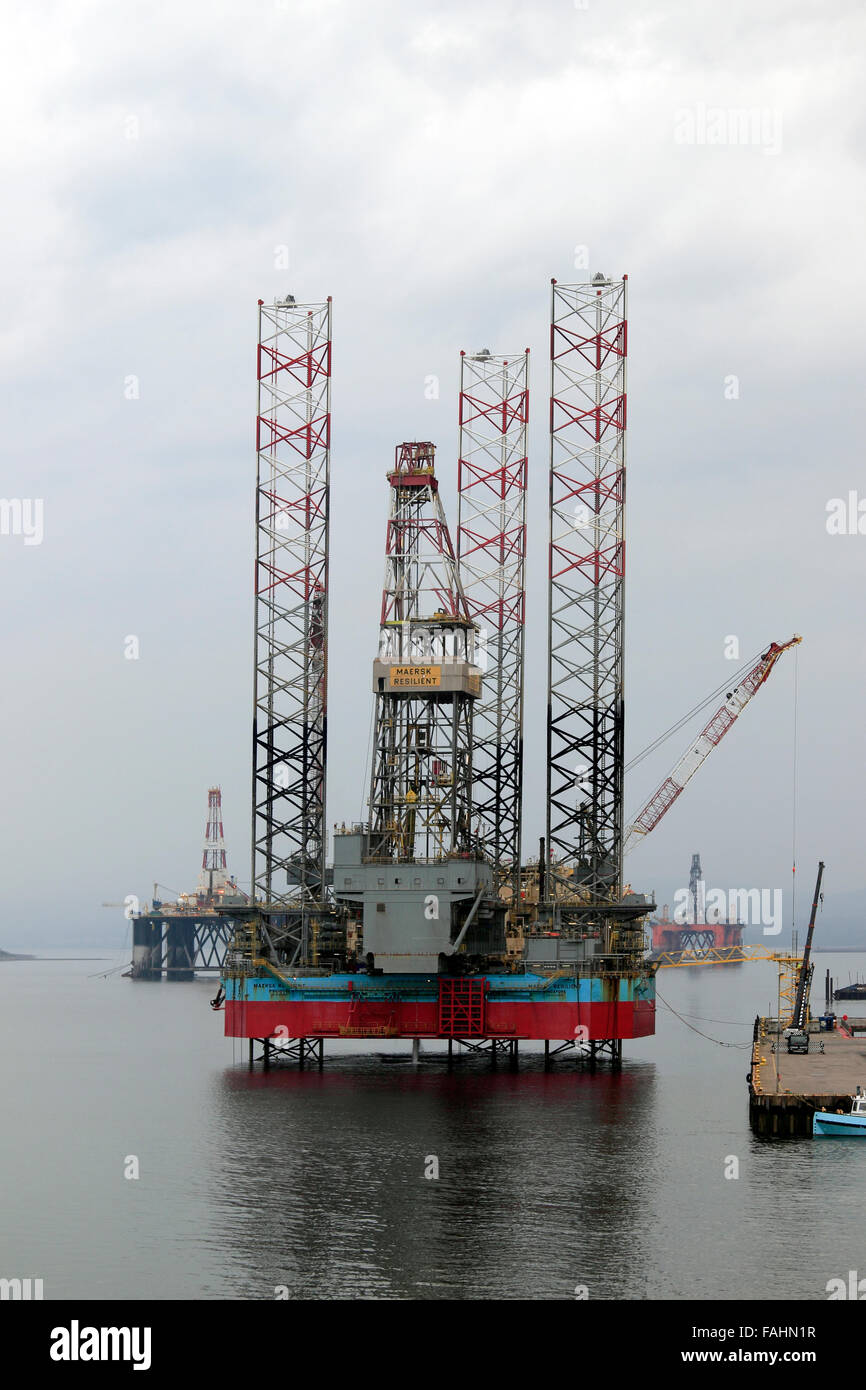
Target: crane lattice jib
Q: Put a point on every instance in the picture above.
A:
(710, 736)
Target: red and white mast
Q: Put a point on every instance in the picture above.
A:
(585, 721)
(491, 553)
(214, 876)
(290, 702)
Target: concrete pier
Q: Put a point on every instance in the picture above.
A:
(785, 1089)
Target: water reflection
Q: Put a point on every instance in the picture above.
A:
(322, 1188)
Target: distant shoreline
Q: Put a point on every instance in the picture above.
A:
(10, 956)
(838, 950)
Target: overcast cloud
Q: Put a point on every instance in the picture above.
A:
(431, 167)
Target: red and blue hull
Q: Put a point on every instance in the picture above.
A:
(590, 1008)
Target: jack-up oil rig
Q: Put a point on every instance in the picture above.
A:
(430, 925)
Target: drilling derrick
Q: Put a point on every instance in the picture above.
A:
(425, 679)
(291, 604)
(588, 340)
(491, 552)
(415, 873)
(214, 873)
(697, 901)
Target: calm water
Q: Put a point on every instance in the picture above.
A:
(315, 1180)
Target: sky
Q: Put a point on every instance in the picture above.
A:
(431, 167)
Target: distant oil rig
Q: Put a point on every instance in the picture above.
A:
(697, 934)
(174, 940)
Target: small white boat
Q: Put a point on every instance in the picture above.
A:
(827, 1124)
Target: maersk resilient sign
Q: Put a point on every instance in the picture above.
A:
(415, 675)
